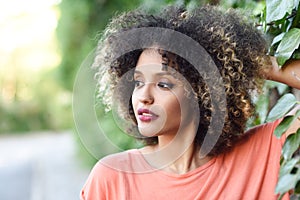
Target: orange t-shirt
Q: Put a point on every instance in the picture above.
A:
(248, 172)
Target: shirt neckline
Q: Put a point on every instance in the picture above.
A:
(174, 175)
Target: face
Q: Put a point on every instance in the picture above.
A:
(158, 100)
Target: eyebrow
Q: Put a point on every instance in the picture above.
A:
(157, 74)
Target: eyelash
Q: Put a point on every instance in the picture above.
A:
(138, 83)
(165, 85)
(162, 85)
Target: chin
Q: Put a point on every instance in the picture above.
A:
(147, 132)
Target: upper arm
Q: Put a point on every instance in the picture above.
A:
(289, 73)
(95, 187)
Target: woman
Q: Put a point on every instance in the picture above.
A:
(171, 108)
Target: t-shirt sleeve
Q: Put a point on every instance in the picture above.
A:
(252, 167)
(264, 135)
(96, 186)
(108, 178)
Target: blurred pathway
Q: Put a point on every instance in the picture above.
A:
(40, 166)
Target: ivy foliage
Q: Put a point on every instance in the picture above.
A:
(281, 22)
(289, 177)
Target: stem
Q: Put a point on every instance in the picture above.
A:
(295, 23)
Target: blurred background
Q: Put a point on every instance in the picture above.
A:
(42, 45)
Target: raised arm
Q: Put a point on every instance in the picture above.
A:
(289, 73)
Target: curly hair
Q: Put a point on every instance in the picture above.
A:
(236, 47)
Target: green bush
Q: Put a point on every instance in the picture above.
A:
(281, 22)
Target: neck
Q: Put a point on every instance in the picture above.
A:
(177, 153)
(189, 161)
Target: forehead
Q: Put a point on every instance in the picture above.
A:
(151, 62)
(149, 56)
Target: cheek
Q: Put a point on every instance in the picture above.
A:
(182, 106)
(134, 98)
(134, 102)
(172, 107)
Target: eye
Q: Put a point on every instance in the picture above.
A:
(138, 83)
(165, 85)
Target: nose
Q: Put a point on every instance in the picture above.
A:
(146, 94)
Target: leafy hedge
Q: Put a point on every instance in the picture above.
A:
(281, 22)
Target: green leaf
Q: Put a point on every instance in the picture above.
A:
(262, 104)
(287, 182)
(288, 44)
(281, 88)
(284, 104)
(285, 124)
(278, 38)
(291, 145)
(271, 84)
(276, 9)
(287, 167)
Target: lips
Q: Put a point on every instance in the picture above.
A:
(145, 115)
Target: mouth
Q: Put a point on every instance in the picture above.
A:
(145, 115)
